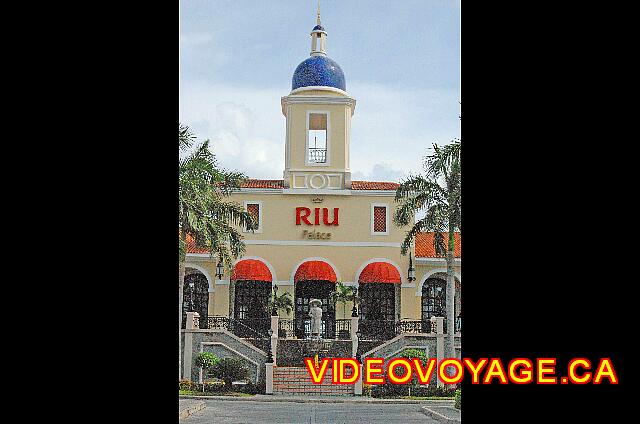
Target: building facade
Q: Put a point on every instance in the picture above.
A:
(318, 227)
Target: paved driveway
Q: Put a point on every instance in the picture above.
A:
(220, 411)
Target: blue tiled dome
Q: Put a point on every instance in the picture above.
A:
(318, 28)
(318, 71)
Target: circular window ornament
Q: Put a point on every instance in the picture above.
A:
(313, 179)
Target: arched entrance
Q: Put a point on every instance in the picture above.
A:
(379, 293)
(195, 296)
(314, 280)
(434, 301)
(252, 281)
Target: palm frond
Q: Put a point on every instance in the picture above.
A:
(202, 212)
(443, 158)
(185, 137)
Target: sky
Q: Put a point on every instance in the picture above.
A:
(401, 61)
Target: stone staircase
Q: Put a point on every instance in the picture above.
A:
(296, 381)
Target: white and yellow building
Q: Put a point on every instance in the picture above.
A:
(316, 227)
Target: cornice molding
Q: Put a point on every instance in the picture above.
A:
(323, 100)
(318, 88)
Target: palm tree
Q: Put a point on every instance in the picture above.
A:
(438, 195)
(282, 302)
(205, 217)
(343, 294)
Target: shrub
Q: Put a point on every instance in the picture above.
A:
(208, 387)
(206, 360)
(366, 389)
(230, 370)
(254, 389)
(396, 390)
(458, 399)
(410, 388)
(414, 353)
(185, 385)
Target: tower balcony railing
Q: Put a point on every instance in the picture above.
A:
(317, 155)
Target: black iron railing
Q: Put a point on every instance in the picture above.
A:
(256, 330)
(343, 329)
(261, 325)
(302, 328)
(382, 330)
(409, 326)
(457, 325)
(259, 339)
(219, 323)
(285, 328)
(199, 322)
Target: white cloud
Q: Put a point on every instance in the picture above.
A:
(392, 129)
(195, 39)
(379, 172)
(245, 126)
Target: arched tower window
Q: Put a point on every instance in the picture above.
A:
(317, 138)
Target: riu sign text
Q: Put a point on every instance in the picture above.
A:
(303, 215)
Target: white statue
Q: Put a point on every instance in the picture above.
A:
(315, 312)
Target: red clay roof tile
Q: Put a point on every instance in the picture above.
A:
(355, 185)
(191, 246)
(373, 185)
(425, 249)
(253, 183)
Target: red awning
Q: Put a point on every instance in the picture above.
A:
(379, 272)
(252, 270)
(315, 270)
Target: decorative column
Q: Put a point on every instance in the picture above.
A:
(269, 363)
(439, 323)
(274, 347)
(355, 338)
(273, 331)
(269, 377)
(357, 387)
(191, 324)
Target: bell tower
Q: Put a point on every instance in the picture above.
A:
(318, 111)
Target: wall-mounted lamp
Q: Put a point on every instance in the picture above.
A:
(412, 270)
(219, 270)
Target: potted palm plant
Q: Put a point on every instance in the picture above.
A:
(282, 303)
(343, 294)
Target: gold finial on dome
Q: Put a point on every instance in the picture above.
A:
(318, 20)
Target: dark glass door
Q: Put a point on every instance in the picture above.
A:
(251, 307)
(196, 299)
(433, 301)
(377, 311)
